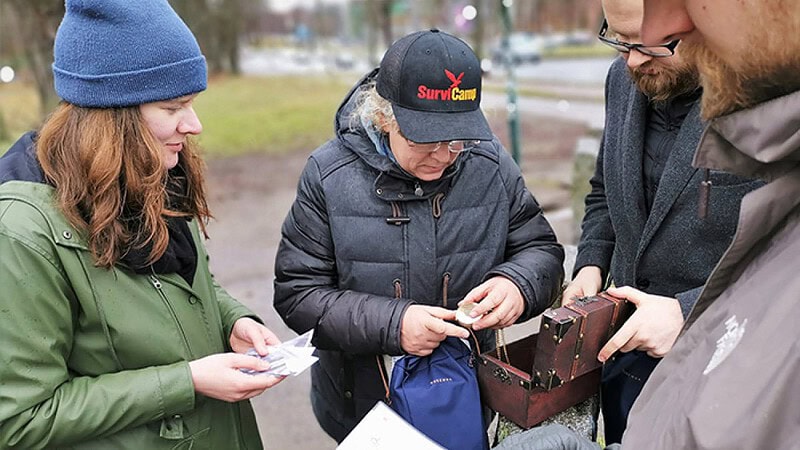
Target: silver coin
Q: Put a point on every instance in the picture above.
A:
(462, 314)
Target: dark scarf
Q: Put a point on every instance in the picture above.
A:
(181, 254)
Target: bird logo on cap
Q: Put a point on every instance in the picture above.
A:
(456, 80)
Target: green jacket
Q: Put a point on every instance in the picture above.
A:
(98, 358)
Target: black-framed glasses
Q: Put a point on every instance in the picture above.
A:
(432, 147)
(656, 51)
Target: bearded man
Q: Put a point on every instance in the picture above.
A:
(641, 229)
(730, 382)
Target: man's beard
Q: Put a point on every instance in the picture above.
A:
(668, 81)
(726, 89)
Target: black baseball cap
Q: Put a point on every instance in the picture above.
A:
(433, 81)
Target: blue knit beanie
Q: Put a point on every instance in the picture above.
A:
(115, 53)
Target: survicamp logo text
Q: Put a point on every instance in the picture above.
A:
(452, 93)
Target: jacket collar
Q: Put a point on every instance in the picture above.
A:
(353, 135)
(392, 183)
(762, 213)
(632, 142)
(759, 142)
(678, 171)
(20, 163)
(763, 142)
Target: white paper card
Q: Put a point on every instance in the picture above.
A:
(383, 429)
(289, 358)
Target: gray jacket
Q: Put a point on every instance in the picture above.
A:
(364, 240)
(672, 251)
(730, 382)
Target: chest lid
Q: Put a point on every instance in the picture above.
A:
(571, 338)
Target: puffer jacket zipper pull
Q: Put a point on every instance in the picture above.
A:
(397, 218)
(436, 205)
(445, 284)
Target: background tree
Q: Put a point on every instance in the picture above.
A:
(35, 22)
(229, 26)
(559, 15)
(383, 15)
(378, 15)
(218, 26)
(485, 12)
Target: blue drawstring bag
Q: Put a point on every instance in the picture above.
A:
(438, 395)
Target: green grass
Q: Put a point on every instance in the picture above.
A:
(579, 51)
(19, 108)
(268, 115)
(239, 114)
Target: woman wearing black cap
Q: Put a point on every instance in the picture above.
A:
(413, 207)
(114, 333)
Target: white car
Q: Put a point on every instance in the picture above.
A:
(522, 48)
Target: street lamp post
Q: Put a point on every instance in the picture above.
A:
(511, 83)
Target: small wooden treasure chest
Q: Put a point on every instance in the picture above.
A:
(546, 373)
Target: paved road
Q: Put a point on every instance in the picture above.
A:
(566, 71)
(589, 112)
(250, 197)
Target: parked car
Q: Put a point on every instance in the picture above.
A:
(581, 37)
(522, 48)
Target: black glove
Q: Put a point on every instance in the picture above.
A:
(549, 437)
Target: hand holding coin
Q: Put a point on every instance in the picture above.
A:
(462, 314)
(497, 303)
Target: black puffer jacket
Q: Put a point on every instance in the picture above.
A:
(364, 240)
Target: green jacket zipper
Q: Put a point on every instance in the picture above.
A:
(157, 284)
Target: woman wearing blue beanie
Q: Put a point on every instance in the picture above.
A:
(115, 334)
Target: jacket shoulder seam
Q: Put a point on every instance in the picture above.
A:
(330, 158)
(492, 153)
(33, 246)
(15, 201)
(48, 222)
(505, 176)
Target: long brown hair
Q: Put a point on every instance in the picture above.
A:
(111, 182)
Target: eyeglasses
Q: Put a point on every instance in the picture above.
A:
(656, 51)
(452, 146)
